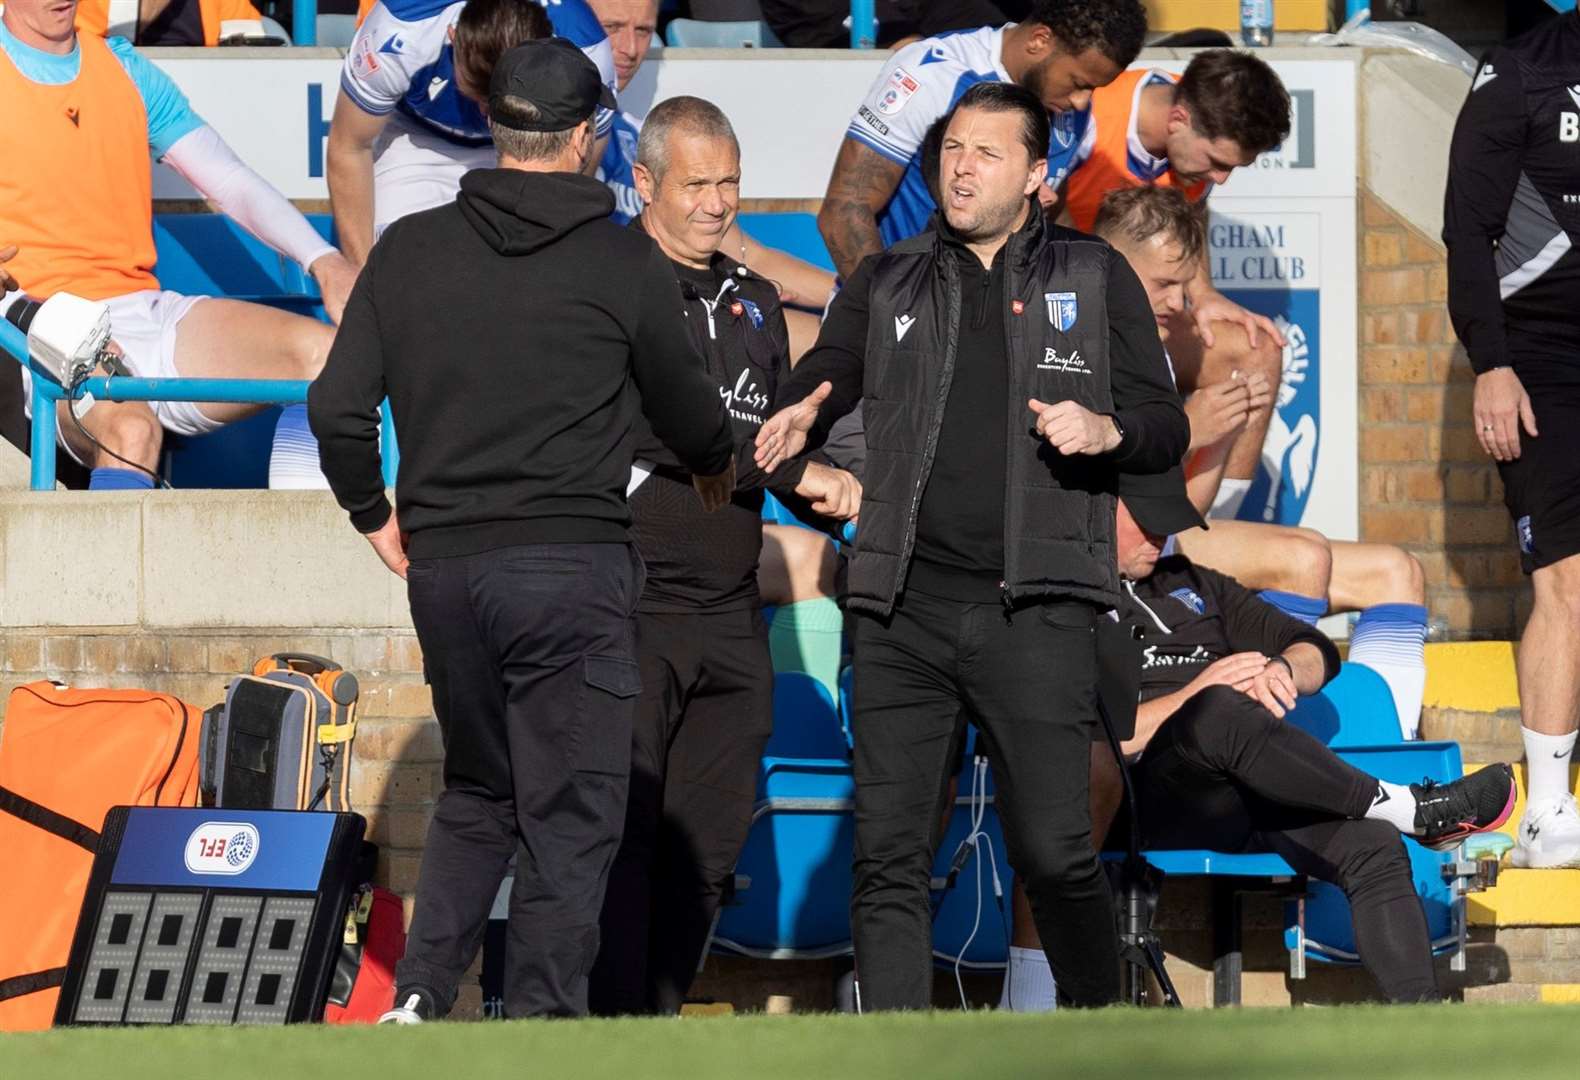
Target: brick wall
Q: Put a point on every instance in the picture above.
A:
(1425, 483)
(395, 770)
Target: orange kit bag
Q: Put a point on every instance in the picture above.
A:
(66, 757)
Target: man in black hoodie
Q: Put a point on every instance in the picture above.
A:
(706, 707)
(516, 333)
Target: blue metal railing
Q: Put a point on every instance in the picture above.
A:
(863, 24)
(46, 392)
(304, 22)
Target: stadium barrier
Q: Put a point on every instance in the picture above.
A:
(46, 392)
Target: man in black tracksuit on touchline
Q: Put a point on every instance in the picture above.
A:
(1008, 370)
(1215, 765)
(515, 363)
(706, 707)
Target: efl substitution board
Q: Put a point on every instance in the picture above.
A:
(220, 916)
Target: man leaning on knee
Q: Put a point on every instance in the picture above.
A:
(514, 365)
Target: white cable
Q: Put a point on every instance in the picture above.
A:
(975, 838)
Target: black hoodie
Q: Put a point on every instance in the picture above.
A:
(516, 332)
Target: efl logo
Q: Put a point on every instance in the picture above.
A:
(221, 847)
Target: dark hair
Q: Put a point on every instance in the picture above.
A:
(1115, 28)
(1235, 95)
(485, 31)
(1140, 213)
(999, 97)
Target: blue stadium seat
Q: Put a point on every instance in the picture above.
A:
(847, 702)
(806, 720)
(210, 255)
(793, 882)
(793, 232)
(1355, 709)
(697, 34)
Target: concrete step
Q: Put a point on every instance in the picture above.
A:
(1472, 698)
(1527, 898)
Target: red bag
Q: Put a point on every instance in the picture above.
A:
(364, 984)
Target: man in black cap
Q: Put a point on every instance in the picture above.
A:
(1215, 766)
(507, 331)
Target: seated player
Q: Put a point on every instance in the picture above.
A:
(630, 25)
(409, 121)
(81, 116)
(1214, 764)
(176, 23)
(1189, 132)
(1299, 570)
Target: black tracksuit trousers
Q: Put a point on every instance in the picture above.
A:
(531, 654)
(1029, 681)
(1226, 774)
(704, 715)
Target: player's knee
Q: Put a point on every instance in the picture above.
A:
(1557, 589)
(131, 431)
(1402, 580)
(1214, 721)
(1310, 562)
(1374, 857)
(310, 344)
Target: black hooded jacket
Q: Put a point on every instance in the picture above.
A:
(517, 333)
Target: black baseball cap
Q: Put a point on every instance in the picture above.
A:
(558, 80)
(1158, 502)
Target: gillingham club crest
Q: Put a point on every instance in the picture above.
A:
(1061, 310)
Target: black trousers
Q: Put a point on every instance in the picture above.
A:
(704, 715)
(1225, 773)
(1028, 678)
(531, 653)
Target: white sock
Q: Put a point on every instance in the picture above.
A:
(1391, 640)
(1226, 504)
(1547, 761)
(1394, 804)
(1028, 982)
(293, 460)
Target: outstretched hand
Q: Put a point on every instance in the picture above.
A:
(783, 435)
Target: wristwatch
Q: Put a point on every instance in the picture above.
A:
(1117, 425)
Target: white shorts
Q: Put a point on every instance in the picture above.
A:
(414, 169)
(144, 325)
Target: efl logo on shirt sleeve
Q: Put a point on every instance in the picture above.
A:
(901, 88)
(365, 62)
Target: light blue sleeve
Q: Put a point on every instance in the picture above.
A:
(170, 115)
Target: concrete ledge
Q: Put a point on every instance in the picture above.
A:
(190, 560)
(1527, 898)
(1471, 676)
(1408, 106)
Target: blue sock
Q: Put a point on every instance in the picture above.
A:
(107, 479)
(293, 462)
(1391, 640)
(1308, 609)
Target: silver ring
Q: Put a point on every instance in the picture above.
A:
(1486, 427)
